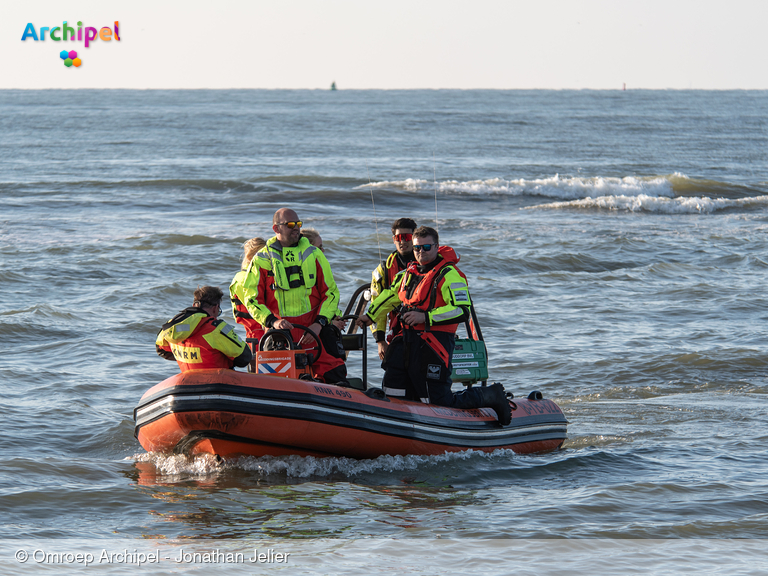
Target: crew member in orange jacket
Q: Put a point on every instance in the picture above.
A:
(196, 339)
(432, 297)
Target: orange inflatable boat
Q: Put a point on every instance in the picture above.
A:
(274, 411)
(233, 414)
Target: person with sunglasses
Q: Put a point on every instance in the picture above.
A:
(432, 299)
(197, 339)
(289, 281)
(384, 275)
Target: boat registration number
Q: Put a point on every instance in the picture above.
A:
(333, 392)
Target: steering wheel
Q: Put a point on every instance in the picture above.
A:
(291, 345)
(283, 335)
(311, 359)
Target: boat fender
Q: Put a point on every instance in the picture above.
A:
(376, 394)
(535, 395)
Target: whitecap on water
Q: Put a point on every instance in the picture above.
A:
(566, 188)
(645, 203)
(410, 184)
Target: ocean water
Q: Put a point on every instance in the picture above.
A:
(615, 244)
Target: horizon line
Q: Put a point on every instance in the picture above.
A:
(413, 89)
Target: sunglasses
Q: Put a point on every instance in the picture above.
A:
(403, 237)
(424, 247)
(291, 225)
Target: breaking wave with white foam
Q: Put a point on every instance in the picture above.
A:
(303, 466)
(659, 205)
(564, 188)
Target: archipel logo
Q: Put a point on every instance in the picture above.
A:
(70, 57)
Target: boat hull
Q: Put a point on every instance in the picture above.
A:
(234, 414)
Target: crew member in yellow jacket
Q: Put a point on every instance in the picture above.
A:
(290, 282)
(384, 275)
(197, 339)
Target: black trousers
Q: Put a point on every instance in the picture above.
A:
(413, 371)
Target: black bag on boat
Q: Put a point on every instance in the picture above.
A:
(330, 336)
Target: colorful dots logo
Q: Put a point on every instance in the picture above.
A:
(70, 58)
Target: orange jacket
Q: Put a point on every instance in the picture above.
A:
(197, 341)
(441, 292)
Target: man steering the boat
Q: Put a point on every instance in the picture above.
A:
(384, 275)
(197, 339)
(431, 298)
(289, 281)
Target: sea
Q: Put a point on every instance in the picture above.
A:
(615, 246)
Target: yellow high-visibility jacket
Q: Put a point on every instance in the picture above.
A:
(290, 282)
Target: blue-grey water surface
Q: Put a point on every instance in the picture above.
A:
(615, 244)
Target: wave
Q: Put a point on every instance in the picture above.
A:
(304, 466)
(554, 187)
(659, 205)
(577, 187)
(267, 183)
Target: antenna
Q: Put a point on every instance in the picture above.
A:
(370, 186)
(434, 176)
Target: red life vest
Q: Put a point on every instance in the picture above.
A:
(424, 288)
(195, 353)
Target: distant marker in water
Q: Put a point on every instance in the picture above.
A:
(333, 85)
(625, 87)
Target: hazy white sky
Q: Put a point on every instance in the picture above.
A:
(707, 44)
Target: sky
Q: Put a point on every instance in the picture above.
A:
(413, 44)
